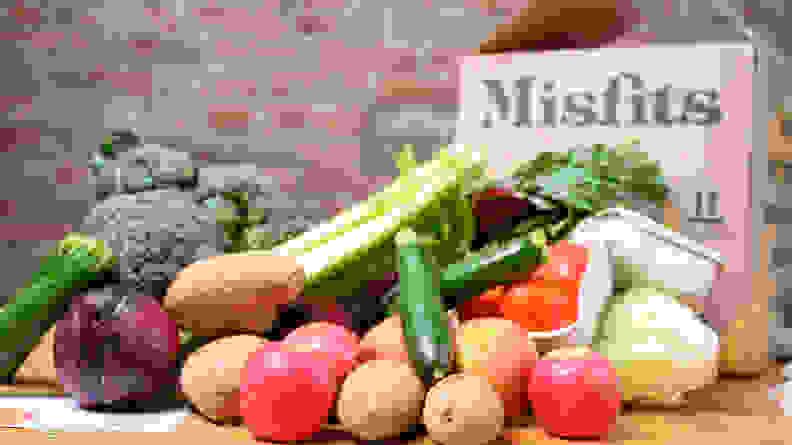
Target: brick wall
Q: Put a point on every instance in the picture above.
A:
(318, 90)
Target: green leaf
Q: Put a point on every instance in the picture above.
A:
(596, 183)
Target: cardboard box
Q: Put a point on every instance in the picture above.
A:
(692, 108)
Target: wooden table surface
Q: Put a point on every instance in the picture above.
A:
(733, 411)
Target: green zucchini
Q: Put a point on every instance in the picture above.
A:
(423, 316)
(481, 270)
(25, 319)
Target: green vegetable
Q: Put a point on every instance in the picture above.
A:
(424, 318)
(238, 220)
(603, 178)
(76, 262)
(648, 336)
(363, 250)
(495, 264)
(442, 174)
(480, 270)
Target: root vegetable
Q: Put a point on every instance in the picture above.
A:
(212, 376)
(463, 409)
(115, 350)
(380, 399)
(230, 294)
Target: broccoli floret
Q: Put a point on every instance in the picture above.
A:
(154, 235)
(290, 225)
(165, 166)
(118, 142)
(141, 168)
(217, 179)
(251, 205)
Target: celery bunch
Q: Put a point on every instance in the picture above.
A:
(343, 254)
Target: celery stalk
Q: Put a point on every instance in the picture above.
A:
(401, 192)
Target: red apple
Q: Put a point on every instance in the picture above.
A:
(502, 351)
(286, 394)
(575, 393)
(331, 341)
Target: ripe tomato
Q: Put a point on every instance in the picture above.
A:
(541, 305)
(565, 261)
(488, 304)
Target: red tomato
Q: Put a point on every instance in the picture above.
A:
(541, 305)
(487, 304)
(565, 261)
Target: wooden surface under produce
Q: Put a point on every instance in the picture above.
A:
(735, 410)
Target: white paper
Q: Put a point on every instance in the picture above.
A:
(63, 414)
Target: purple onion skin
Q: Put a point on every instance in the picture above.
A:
(127, 358)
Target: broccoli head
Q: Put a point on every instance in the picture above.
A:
(161, 210)
(154, 235)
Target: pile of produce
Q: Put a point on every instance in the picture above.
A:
(286, 333)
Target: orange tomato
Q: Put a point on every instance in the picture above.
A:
(541, 305)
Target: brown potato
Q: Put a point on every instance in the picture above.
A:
(230, 294)
(380, 399)
(39, 366)
(464, 409)
(212, 376)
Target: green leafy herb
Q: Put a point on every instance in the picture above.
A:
(595, 179)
